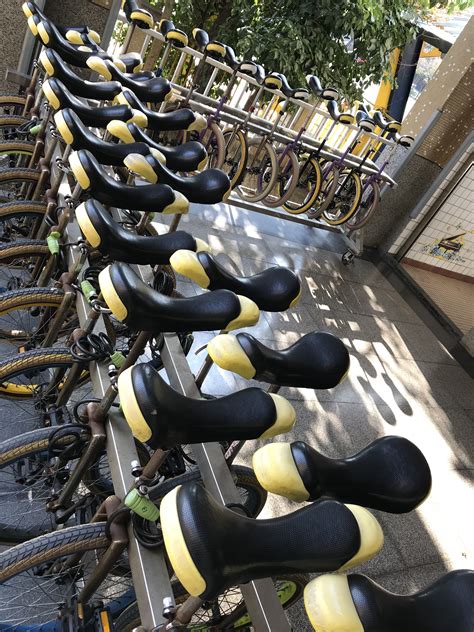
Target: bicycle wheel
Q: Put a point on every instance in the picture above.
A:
(236, 156)
(307, 188)
(213, 141)
(27, 314)
(286, 180)
(43, 575)
(16, 184)
(346, 199)
(252, 494)
(12, 104)
(254, 186)
(226, 612)
(30, 384)
(21, 262)
(15, 153)
(17, 218)
(9, 124)
(367, 207)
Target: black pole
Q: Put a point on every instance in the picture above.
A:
(404, 77)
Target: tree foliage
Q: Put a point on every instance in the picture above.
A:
(298, 37)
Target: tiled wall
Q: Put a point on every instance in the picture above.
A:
(455, 217)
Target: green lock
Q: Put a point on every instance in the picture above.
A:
(117, 359)
(35, 130)
(142, 506)
(88, 290)
(53, 242)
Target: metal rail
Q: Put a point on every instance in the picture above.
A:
(149, 571)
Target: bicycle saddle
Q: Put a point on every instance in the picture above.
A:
(136, 15)
(247, 67)
(345, 118)
(295, 93)
(317, 360)
(259, 74)
(274, 289)
(78, 56)
(114, 241)
(181, 119)
(212, 548)
(201, 38)
(391, 127)
(30, 8)
(317, 89)
(158, 198)
(76, 134)
(162, 417)
(60, 98)
(99, 91)
(364, 121)
(355, 603)
(208, 187)
(391, 474)
(152, 90)
(273, 81)
(142, 308)
(216, 50)
(190, 156)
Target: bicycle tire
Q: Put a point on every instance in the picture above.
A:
(235, 171)
(275, 198)
(327, 191)
(212, 138)
(129, 619)
(28, 362)
(244, 477)
(295, 208)
(16, 148)
(13, 101)
(354, 177)
(21, 176)
(356, 222)
(262, 192)
(76, 539)
(19, 448)
(17, 217)
(9, 124)
(23, 247)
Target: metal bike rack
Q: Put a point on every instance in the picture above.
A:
(149, 571)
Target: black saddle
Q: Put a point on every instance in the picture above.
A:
(163, 417)
(52, 38)
(295, 93)
(345, 118)
(158, 198)
(317, 89)
(60, 98)
(181, 119)
(136, 15)
(208, 187)
(390, 127)
(76, 134)
(99, 91)
(273, 81)
(142, 308)
(247, 67)
(391, 474)
(216, 50)
(317, 360)
(201, 38)
(274, 289)
(114, 241)
(30, 8)
(365, 121)
(188, 156)
(447, 604)
(227, 549)
(152, 90)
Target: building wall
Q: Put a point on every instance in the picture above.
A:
(451, 92)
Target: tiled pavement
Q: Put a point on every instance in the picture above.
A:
(402, 381)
